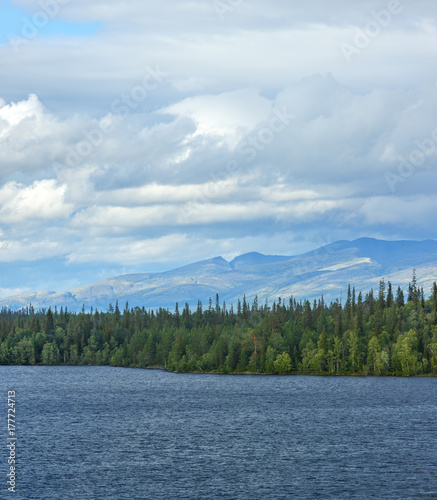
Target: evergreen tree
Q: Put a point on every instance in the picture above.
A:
(50, 324)
(383, 336)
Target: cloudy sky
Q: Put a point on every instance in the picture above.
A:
(144, 134)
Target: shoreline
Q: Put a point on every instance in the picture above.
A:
(242, 374)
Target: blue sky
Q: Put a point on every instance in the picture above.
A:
(138, 136)
(18, 18)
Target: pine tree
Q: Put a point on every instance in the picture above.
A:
(400, 301)
(389, 295)
(381, 295)
(413, 292)
(50, 325)
(434, 303)
(255, 304)
(348, 306)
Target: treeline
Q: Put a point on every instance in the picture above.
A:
(382, 333)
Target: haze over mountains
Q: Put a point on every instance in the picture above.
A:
(325, 271)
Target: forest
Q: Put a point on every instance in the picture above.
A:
(380, 333)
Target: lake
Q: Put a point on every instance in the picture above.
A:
(115, 433)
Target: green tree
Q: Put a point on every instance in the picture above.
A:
(74, 356)
(283, 363)
(309, 355)
(50, 354)
(50, 324)
(433, 355)
(404, 352)
(336, 354)
(270, 360)
(23, 352)
(372, 352)
(354, 350)
(382, 362)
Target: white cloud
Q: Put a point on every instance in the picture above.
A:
(14, 113)
(41, 200)
(130, 252)
(29, 250)
(171, 181)
(229, 115)
(10, 292)
(168, 248)
(156, 175)
(262, 45)
(416, 211)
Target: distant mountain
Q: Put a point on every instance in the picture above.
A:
(325, 271)
(255, 258)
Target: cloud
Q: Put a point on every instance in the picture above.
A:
(32, 138)
(10, 292)
(416, 211)
(167, 249)
(228, 115)
(14, 113)
(198, 166)
(41, 200)
(130, 252)
(201, 16)
(259, 45)
(29, 249)
(173, 169)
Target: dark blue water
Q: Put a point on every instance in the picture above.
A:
(113, 433)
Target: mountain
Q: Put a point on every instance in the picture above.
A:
(255, 258)
(327, 270)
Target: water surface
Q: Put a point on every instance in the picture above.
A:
(114, 433)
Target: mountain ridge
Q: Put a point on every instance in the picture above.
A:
(324, 271)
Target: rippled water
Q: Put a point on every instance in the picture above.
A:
(114, 433)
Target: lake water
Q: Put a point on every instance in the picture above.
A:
(114, 433)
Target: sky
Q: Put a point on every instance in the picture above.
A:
(142, 135)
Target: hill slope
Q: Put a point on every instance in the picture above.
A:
(327, 270)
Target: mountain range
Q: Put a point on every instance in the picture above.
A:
(325, 271)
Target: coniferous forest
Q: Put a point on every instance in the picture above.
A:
(385, 332)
